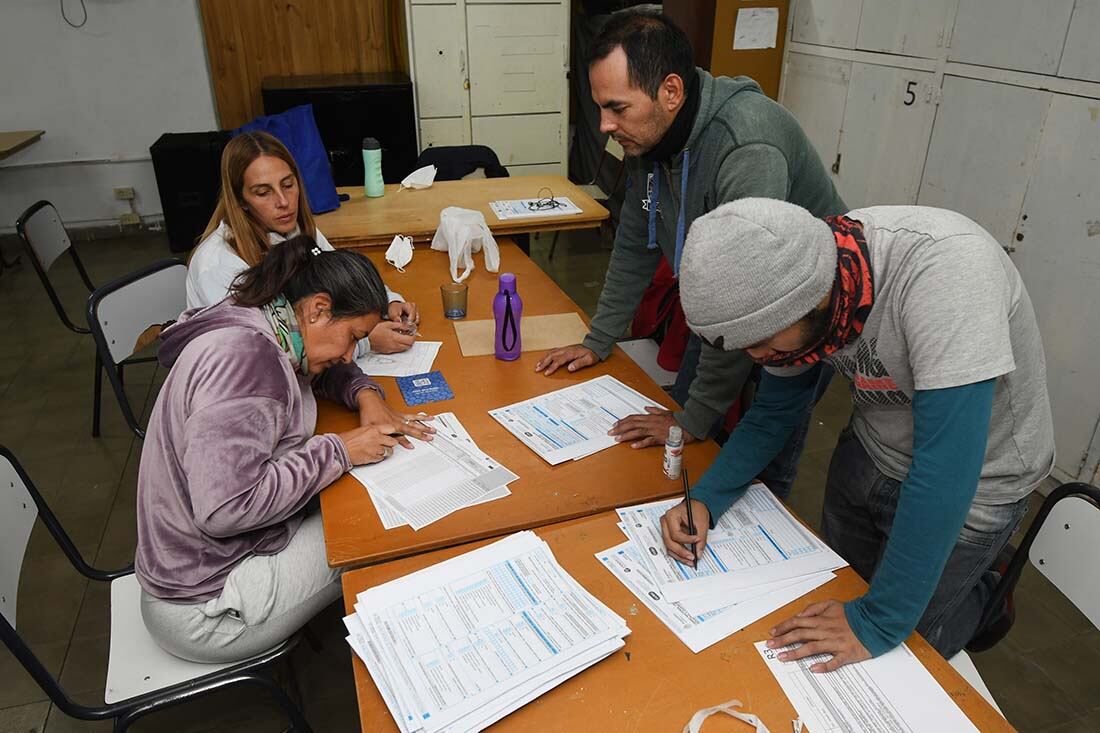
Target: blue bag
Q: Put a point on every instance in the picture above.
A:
(297, 129)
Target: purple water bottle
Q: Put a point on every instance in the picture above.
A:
(507, 310)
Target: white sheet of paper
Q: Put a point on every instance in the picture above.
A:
(697, 631)
(756, 28)
(421, 485)
(521, 208)
(893, 693)
(460, 644)
(572, 423)
(416, 360)
(757, 541)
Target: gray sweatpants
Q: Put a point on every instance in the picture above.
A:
(266, 598)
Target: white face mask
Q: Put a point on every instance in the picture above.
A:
(420, 178)
(400, 252)
(461, 233)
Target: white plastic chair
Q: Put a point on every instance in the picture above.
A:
(141, 677)
(120, 311)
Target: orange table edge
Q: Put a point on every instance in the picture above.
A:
(655, 683)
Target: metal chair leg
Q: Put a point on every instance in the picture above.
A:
(554, 244)
(97, 395)
(293, 713)
(121, 376)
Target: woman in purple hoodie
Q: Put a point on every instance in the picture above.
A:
(231, 554)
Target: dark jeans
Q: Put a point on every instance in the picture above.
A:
(860, 503)
(779, 475)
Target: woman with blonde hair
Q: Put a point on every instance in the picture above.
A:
(262, 204)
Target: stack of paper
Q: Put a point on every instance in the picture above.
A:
(459, 645)
(572, 423)
(434, 478)
(415, 360)
(758, 558)
(893, 693)
(527, 208)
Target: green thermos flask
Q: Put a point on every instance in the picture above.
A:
(372, 168)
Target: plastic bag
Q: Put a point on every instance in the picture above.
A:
(462, 233)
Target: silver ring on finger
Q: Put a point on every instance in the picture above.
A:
(387, 452)
(408, 421)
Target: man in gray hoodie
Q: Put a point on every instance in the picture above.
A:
(694, 142)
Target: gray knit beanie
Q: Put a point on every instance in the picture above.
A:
(753, 267)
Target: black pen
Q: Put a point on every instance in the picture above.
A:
(691, 521)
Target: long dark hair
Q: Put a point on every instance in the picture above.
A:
(297, 269)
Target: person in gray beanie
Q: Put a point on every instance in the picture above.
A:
(951, 428)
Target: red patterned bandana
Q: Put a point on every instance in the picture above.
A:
(853, 293)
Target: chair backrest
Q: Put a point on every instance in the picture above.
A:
(41, 228)
(123, 309)
(18, 511)
(1065, 550)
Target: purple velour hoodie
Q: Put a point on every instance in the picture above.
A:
(230, 458)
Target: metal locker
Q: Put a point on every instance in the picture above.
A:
(814, 91)
(904, 27)
(983, 144)
(439, 60)
(1011, 34)
(888, 117)
(1057, 250)
(1081, 59)
(440, 131)
(826, 22)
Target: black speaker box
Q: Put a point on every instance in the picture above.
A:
(348, 108)
(186, 165)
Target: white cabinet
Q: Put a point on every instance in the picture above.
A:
(1027, 35)
(984, 140)
(495, 73)
(905, 27)
(1058, 255)
(1081, 58)
(814, 91)
(888, 115)
(826, 22)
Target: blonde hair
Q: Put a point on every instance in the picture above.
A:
(246, 236)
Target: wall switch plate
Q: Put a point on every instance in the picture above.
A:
(129, 218)
(125, 194)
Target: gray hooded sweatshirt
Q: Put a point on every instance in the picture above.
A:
(230, 458)
(742, 144)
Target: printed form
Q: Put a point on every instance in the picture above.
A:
(893, 693)
(757, 542)
(457, 646)
(416, 360)
(422, 485)
(699, 630)
(572, 423)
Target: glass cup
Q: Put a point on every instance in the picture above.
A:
(454, 300)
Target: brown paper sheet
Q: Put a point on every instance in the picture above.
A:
(537, 333)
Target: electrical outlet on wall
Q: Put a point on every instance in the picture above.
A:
(125, 193)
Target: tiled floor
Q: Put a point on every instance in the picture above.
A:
(1043, 675)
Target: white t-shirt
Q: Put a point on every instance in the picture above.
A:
(215, 265)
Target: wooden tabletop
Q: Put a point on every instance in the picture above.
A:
(12, 142)
(655, 683)
(364, 221)
(543, 494)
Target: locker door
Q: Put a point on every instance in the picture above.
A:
(826, 22)
(439, 54)
(1081, 59)
(983, 145)
(815, 90)
(1058, 255)
(906, 27)
(517, 58)
(887, 123)
(1011, 34)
